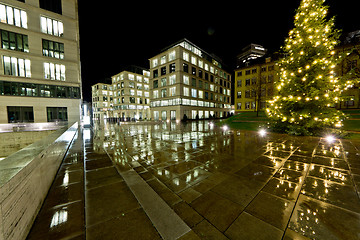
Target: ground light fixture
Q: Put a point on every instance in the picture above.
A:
(262, 132)
(225, 127)
(330, 138)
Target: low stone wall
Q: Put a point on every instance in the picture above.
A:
(25, 178)
(12, 142)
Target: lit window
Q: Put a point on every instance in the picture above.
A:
(172, 79)
(172, 56)
(186, 91)
(186, 80)
(193, 93)
(172, 91)
(201, 94)
(131, 77)
(51, 26)
(193, 60)
(186, 56)
(54, 71)
(206, 67)
(201, 64)
(156, 94)
(163, 60)
(13, 16)
(155, 62)
(17, 66)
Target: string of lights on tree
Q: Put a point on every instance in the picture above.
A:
(308, 88)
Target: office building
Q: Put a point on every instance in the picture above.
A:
(102, 101)
(131, 94)
(40, 61)
(187, 82)
(254, 84)
(250, 52)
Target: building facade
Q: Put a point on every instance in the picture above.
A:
(102, 101)
(350, 67)
(186, 82)
(254, 84)
(39, 61)
(132, 95)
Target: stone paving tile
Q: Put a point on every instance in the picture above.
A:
(249, 227)
(273, 210)
(320, 220)
(218, 210)
(131, 225)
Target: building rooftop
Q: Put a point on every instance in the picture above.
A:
(187, 44)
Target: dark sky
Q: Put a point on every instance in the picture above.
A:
(113, 35)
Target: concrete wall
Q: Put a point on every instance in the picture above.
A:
(12, 142)
(25, 178)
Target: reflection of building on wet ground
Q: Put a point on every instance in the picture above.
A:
(222, 184)
(187, 81)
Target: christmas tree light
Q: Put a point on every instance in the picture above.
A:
(308, 88)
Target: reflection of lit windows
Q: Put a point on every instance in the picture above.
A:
(59, 217)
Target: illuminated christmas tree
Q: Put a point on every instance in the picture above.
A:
(308, 88)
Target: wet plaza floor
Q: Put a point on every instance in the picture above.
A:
(217, 184)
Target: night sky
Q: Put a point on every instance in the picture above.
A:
(113, 36)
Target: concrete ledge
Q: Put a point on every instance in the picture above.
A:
(25, 178)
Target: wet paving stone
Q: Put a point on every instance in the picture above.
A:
(222, 184)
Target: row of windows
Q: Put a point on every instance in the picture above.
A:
(26, 114)
(132, 100)
(187, 92)
(196, 72)
(250, 105)
(254, 70)
(132, 77)
(38, 90)
(187, 102)
(22, 68)
(253, 81)
(17, 17)
(14, 41)
(254, 92)
(19, 42)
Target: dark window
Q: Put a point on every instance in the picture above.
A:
(38, 90)
(200, 73)
(163, 71)
(193, 71)
(14, 41)
(172, 68)
(21, 1)
(20, 114)
(155, 73)
(156, 84)
(51, 5)
(193, 82)
(185, 67)
(206, 76)
(53, 49)
(56, 114)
